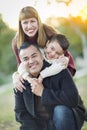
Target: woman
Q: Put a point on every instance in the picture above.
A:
(33, 30)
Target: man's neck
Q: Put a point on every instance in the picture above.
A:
(34, 75)
(45, 64)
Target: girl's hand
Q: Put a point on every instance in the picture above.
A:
(63, 60)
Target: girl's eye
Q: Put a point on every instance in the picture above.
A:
(52, 48)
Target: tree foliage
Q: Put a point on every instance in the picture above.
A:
(72, 28)
(7, 60)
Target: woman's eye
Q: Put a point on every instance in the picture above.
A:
(32, 21)
(25, 22)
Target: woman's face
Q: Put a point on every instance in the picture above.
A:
(30, 26)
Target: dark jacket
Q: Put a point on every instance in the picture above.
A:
(58, 90)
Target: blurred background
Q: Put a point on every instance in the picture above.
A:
(68, 17)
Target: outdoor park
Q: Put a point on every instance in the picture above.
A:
(74, 27)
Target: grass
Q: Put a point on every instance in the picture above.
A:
(7, 120)
(5, 79)
(7, 117)
(82, 88)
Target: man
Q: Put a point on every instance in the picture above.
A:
(49, 105)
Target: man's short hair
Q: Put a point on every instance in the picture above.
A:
(28, 44)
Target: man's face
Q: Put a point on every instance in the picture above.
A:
(32, 59)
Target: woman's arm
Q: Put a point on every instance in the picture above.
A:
(15, 49)
(24, 72)
(71, 64)
(18, 82)
(17, 79)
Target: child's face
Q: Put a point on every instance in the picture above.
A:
(53, 50)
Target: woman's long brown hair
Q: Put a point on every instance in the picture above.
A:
(44, 31)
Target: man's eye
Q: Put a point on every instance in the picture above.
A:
(34, 56)
(25, 59)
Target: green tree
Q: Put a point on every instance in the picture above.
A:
(71, 27)
(7, 59)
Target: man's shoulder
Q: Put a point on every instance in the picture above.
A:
(26, 83)
(46, 64)
(64, 71)
(62, 74)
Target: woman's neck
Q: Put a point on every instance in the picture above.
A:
(31, 39)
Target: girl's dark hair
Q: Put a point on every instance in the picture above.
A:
(61, 39)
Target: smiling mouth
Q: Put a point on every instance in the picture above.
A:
(33, 66)
(30, 32)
